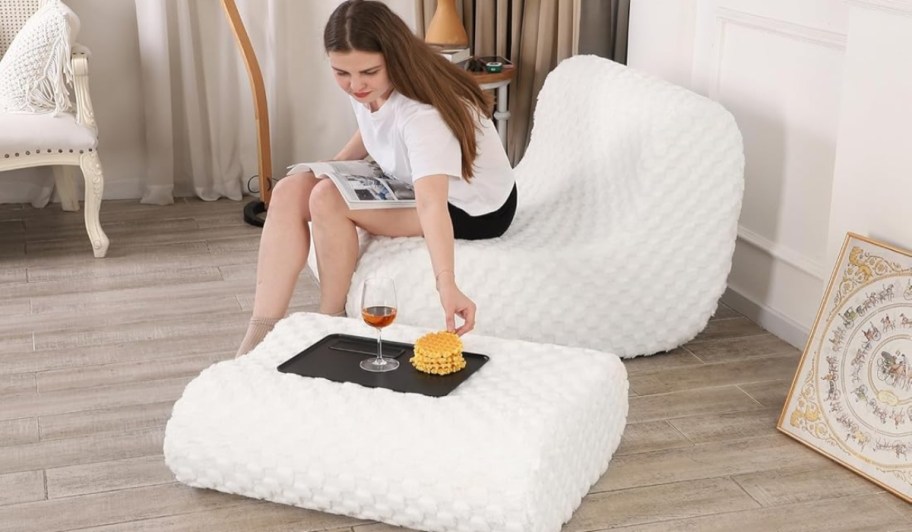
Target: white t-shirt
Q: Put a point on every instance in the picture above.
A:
(410, 140)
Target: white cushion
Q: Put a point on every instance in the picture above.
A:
(628, 203)
(35, 69)
(21, 132)
(513, 448)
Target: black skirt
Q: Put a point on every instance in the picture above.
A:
(491, 225)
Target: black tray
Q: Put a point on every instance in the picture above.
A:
(336, 358)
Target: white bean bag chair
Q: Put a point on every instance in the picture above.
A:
(629, 196)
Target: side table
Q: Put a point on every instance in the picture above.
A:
(498, 81)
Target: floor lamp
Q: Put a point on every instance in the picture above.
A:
(254, 211)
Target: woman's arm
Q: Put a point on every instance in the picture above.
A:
(431, 193)
(353, 150)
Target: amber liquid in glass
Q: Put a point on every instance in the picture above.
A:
(378, 317)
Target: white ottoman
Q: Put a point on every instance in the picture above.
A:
(514, 448)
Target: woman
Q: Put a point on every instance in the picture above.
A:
(426, 122)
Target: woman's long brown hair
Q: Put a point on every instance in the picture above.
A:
(415, 69)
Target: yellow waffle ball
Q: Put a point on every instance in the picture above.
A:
(438, 353)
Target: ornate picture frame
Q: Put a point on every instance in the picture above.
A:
(851, 399)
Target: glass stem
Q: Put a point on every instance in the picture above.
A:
(379, 353)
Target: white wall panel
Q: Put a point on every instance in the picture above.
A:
(784, 92)
(872, 191)
(661, 38)
(778, 66)
(824, 15)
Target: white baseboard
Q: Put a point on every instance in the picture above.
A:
(773, 321)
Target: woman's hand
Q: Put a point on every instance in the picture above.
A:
(455, 303)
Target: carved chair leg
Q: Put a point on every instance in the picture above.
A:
(94, 187)
(65, 181)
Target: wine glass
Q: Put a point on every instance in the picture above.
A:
(378, 309)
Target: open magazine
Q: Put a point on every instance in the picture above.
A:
(363, 184)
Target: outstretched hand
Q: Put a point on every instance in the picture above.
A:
(455, 303)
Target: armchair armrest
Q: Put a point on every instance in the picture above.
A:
(85, 114)
(80, 49)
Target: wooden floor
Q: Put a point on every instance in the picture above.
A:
(93, 353)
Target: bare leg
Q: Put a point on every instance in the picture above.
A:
(284, 246)
(336, 239)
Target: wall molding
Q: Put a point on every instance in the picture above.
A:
(789, 29)
(725, 17)
(901, 7)
(783, 253)
(773, 321)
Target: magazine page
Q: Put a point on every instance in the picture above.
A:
(331, 168)
(363, 184)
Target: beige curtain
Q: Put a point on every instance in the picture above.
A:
(535, 35)
(200, 130)
(603, 28)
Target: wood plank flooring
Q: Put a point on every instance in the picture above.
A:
(93, 354)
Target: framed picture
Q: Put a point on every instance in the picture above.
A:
(851, 399)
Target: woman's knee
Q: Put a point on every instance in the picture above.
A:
(325, 199)
(291, 195)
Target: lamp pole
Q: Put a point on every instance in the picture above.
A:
(254, 211)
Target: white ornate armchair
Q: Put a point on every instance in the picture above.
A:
(43, 137)
(629, 196)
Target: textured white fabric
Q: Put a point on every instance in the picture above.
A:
(21, 132)
(36, 68)
(629, 196)
(410, 140)
(514, 448)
